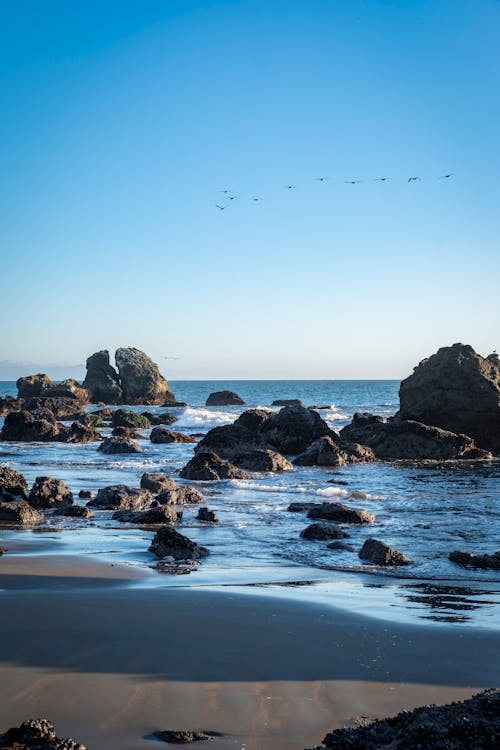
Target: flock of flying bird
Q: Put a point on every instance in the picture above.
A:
(229, 196)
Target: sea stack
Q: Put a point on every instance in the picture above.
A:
(140, 378)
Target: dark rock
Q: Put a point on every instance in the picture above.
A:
(253, 419)
(112, 445)
(325, 452)
(76, 511)
(457, 390)
(159, 515)
(19, 514)
(36, 734)
(471, 560)
(205, 514)
(92, 420)
(230, 440)
(12, 483)
(162, 435)
(379, 553)
(48, 492)
(33, 385)
(209, 466)
(287, 402)
(68, 388)
(140, 378)
(62, 407)
(85, 494)
(129, 418)
(180, 736)
(180, 496)
(105, 414)
(224, 398)
(300, 507)
(101, 380)
(293, 429)
(25, 426)
(156, 483)
(127, 432)
(167, 542)
(120, 496)
(79, 433)
(159, 419)
(340, 547)
(340, 513)
(323, 531)
(262, 460)
(473, 724)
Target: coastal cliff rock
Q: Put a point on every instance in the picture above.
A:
(62, 407)
(12, 484)
(19, 514)
(121, 497)
(140, 378)
(48, 492)
(379, 553)
(33, 385)
(36, 733)
(293, 428)
(458, 390)
(101, 380)
(209, 466)
(224, 398)
(340, 513)
(167, 542)
(325, 452)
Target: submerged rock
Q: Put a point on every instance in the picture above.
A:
(293, 429)
(323, 531)
(340, 513)
(287, 402)
(120, 496)
(472, 560)
(19, 514)
(180, 736)
(167, 542)
(379, 553)
(112, 445)
(102, 380)
(209, 466)
(162, 435)
(262, 460)
(48, 492)
(36, 733)
(140, 378)
(159, 515)
(224, 398)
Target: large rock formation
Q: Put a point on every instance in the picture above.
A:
(48, 492)
(102, 380)
(140, 378)
(457, 390)
(66, 407)
(12, 484)
(68, 387)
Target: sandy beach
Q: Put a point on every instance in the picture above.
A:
(109, 662)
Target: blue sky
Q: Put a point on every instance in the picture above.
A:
(122, 121)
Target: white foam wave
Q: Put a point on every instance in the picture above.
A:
(246, 484)
(199, 417)
(332, 492)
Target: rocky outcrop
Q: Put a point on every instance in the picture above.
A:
(326, 452)
(340, 513)
(293, 429)
(62, 407)
(140, 378)
(12, 484)
(379, 553)
(156, 483)
(253, 419)
(205, 514)
(224, 398)
(68, 388)
(209, 466)
(458, 390)
(153, 516)
(287, 402)
(101, 380)
(471, 560)
(262, 460)
(230, 440)
(299, 506)
(19, 514)
(167, 542)
(322, 532)
(80, 433)
(113, 445)
(36, 733)
(180, 496)
(26, 426)
(162, 435)
(121, 497)
(129, 418)
(48, 492)
(33, 385)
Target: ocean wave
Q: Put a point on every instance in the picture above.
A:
(193, 417)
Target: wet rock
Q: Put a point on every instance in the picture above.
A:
(25, 426)
(85, 494)
(262, 460)
(325, 452)
(472, 560)
(120, 496)
(48, 492)
(105, 414)
(112, 445)
(127, 432)
(12, 483)
(76, 511)
(379, 553)
(293, 429)
(205, 514)
(208, 466)
(180, 496)
(168, 542)
(300, 507)
(322, 531)
(159, 515)
(140, 378)
(158, 419)
(92, 420)
(180, 736)
(68, 388)
(458, 390)
(62, 407)
(33, 385)
(287, 402)
(224, 398)
(102, 380)
(230, 440)
(340, 547)
(253, 419)
(156, 483)
(79, 433)
(473, 724)
(129, 418)
(340, 513)
(36, 734)
(19, 514)
(162, 435)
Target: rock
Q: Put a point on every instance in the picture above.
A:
(25, 426)
(457, 390)
(76, 511)
(159, 419)
(19, 514)
(168, 542)
(473, 724)
(325, 452)
(471, 560)
(180, 736)
(126, 432)
(102, 380)
(159, 515)
(36, 733)
(340, 513)
(121, 497)
(92, 420)
(162, 435)
(205, 514)
(379, 553)
(85, 494)
(68, 388)
(105, 414)
(129, 418)
(322, 531)
(79, 433)
(112, 445)
(156, 483)
(300, 507)
(48, 492)
(340, 547)
(293, 429)
(62, 407)
(358, 495)
(140, 378)
(262, 460)
(208, 466)
(405, 439)
(180, 496)
(33, 385)
(230, 440)
(253, 419)
(287, 402)
(224, 398)
(12, 483)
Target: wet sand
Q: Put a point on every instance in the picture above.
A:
(108, 661)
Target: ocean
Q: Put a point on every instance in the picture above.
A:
(423, 510)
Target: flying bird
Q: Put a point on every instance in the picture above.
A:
(290, 187)
(231, 197)
(351, 182)
(413, 179)
(446, 176)
(224, 191)
(256, 199)
(221, 208)
(381, 179)
(321, 179)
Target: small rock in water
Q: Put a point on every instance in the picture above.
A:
(87, 494)
(36, 733)
(379, 553)
(322, 531)
(114, 445)
(180, 736)
(471, 560)
(224, 398)
(358, 495)
(205, 514)
(340, 547)
(288, 402)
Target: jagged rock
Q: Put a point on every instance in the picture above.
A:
(224, 398)
(379, 553)
(159, 419)
(209, 466)
(68, 388)
(156, 483)
(293, 429)
(140, 378)
(36, 734)
(48, 492)
(287, 402)
(340, 547)
(406, 439)
(33, 385)
(168, 542)
(121, 497)
(300, 507)
(180, 496)
(162, 435)
(76, 511)
(112, 445)
(340, 513)
(158, 515)
(12, 483)
(180, 736)
(323, 531)
(205, 514)
(473, 724)
(25, 426)
(129, 418)
(471, 560)
(62, 407)
(129, 433)
(458, 390)
(19, 514)
(80, 433)
(262, 460)
(9, 404)
(325, 452)
(101, 380)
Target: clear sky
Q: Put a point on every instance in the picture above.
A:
(123, 119)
